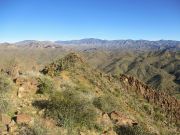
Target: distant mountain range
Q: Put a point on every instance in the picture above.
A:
(118, 42)
(104, 44)
(129, 44)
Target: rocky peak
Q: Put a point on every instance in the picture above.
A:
(71, 61)
(73, 58)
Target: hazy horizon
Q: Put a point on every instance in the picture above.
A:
(87, 38)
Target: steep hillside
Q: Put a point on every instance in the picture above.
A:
(68, 97)
(153, 68)
(150, 61)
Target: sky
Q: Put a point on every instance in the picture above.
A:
(77, 19)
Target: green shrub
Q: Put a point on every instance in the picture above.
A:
(4, 104)
(45, 85)
(147, 107)
(71, 110)
(158, 115)
(136, 130)
(5, 84)
(106, 103)
(36, 129)
(82, 88)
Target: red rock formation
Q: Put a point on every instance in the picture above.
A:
(168, 103)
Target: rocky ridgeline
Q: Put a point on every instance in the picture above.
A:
(168, 103)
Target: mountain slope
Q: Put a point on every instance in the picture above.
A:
(109, 94)
(68, 96)
(153, 68)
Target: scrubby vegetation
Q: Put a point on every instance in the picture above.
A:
(137, 130)
(70, 109)
(46, 85)
(106, 103)
(5, 83)
(36, 129)
(5, 87)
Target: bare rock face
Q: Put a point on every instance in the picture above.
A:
(23, 118)
(168, 103)
(120, 120)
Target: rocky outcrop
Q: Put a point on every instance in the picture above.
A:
(26, 86)
(121, 120)
(114, 119)
(168, 103)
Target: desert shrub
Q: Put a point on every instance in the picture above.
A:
(147, 107)
(25, 130)
(106, 103)
(4, 103)
(45, 85)
(158, 114)
(135, 130)
(5, 86)
(82, 88)
(37, 129)
(71, 110)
